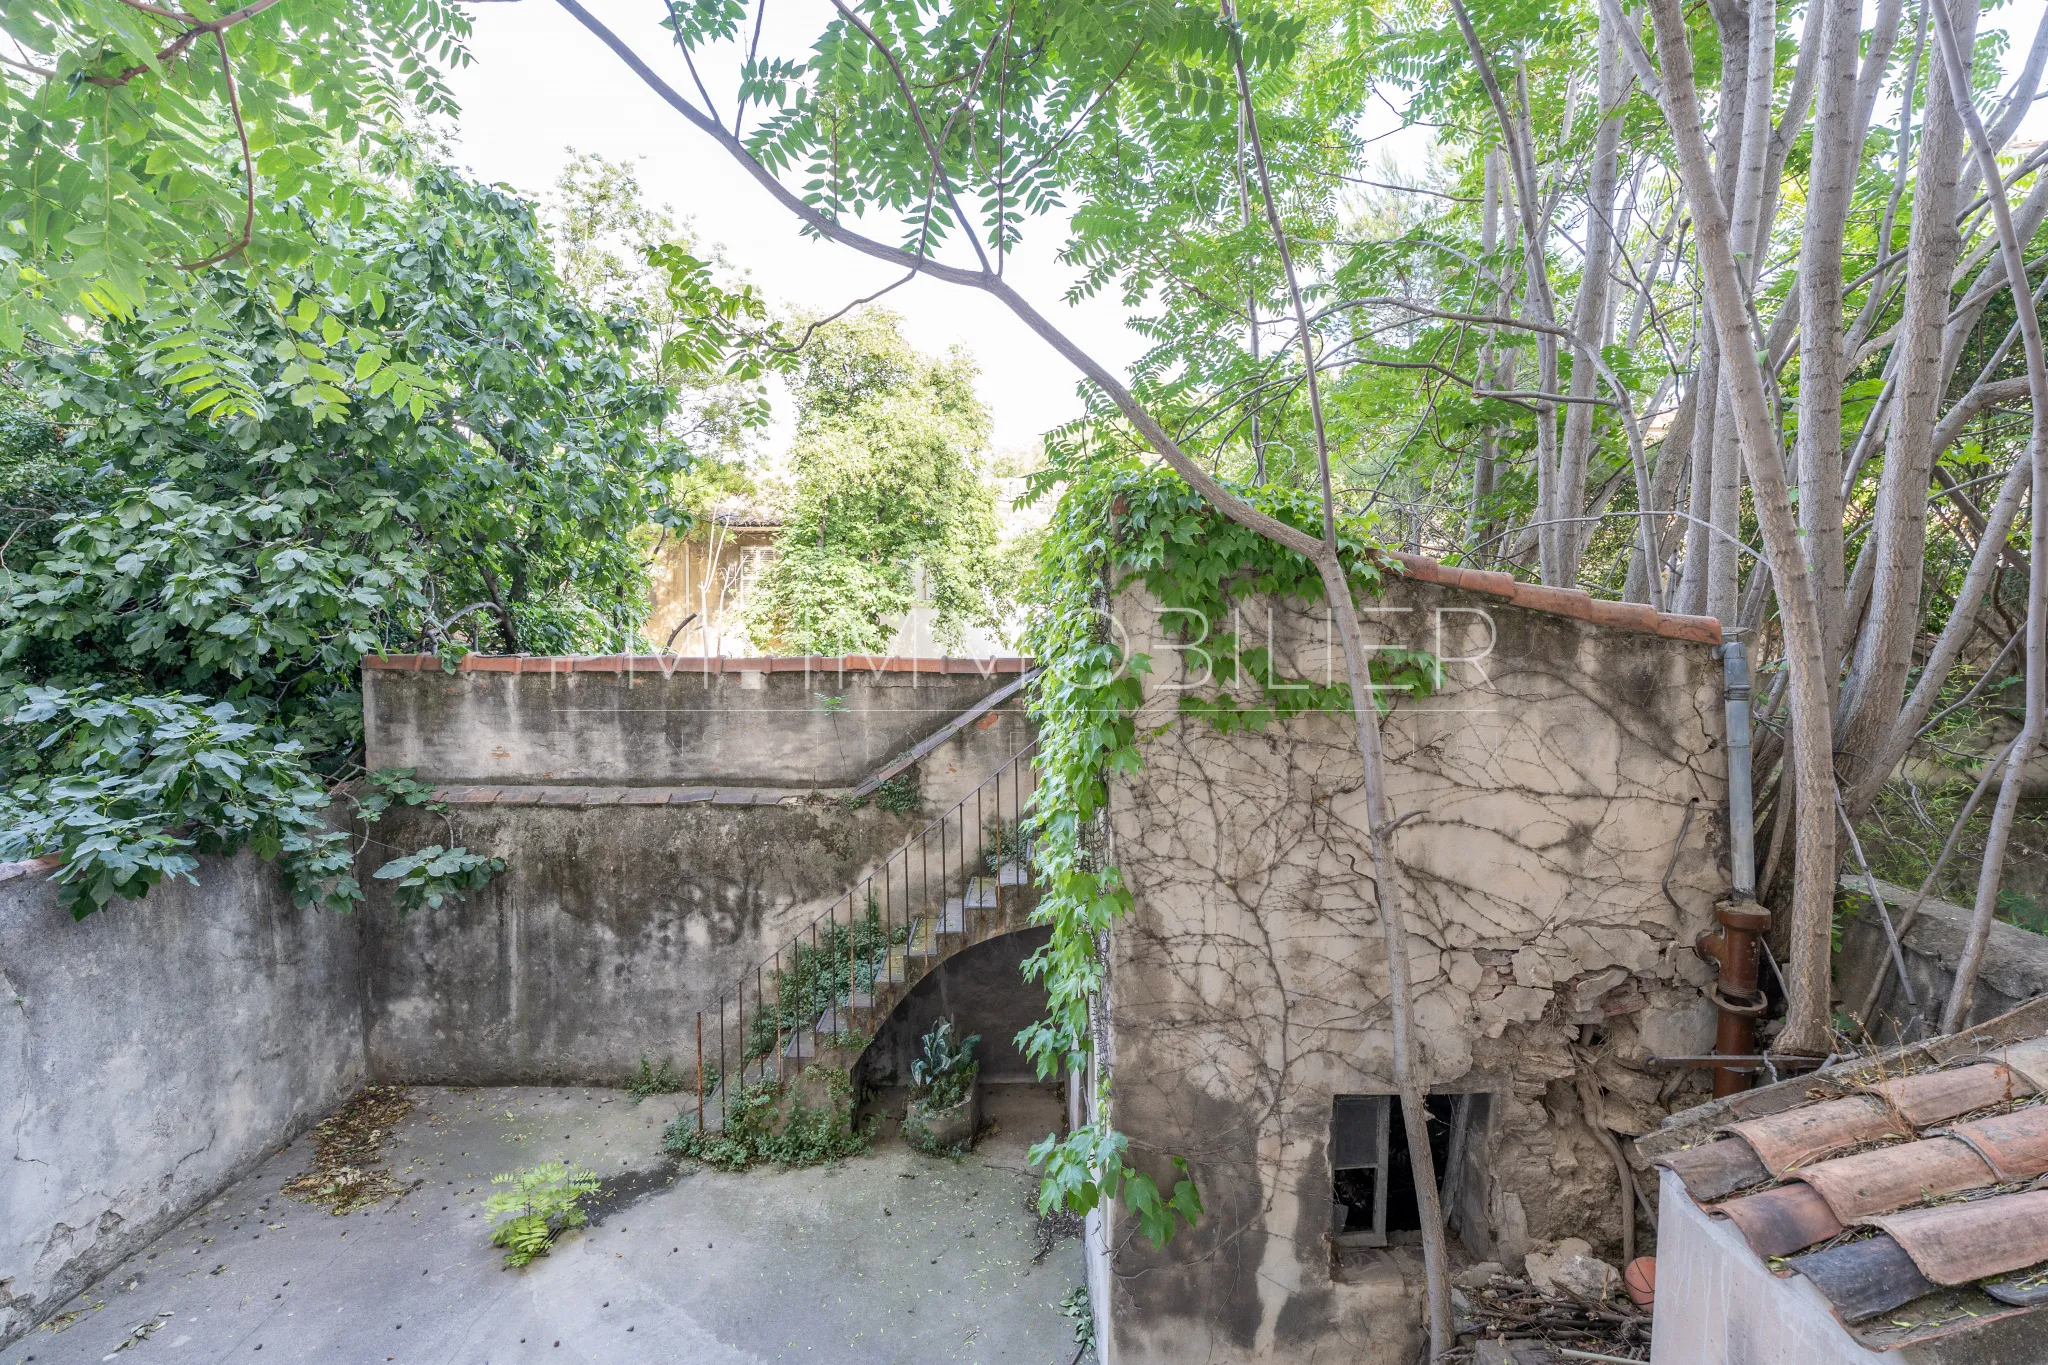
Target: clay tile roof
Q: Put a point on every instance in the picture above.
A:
(1781, 1221)
(1567, 602)
(1958, 1243)
(1800, 1137)
(1863, 1279)
(1933, 1096)
(2029, 1060)
(1893, 1177)
(1714, 1169)
(2014, 1145)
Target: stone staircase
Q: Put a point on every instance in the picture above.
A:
(963, 879)
(989, 905)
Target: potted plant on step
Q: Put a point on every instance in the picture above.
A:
(943, 1109)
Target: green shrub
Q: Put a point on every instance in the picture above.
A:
(767, 1121)
(654, 1080)
(540, 1204)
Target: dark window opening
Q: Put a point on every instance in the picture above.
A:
(1357, 1195)
(1404, 1211)
(1372, 1186)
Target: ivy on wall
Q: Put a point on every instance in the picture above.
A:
(1120, 523)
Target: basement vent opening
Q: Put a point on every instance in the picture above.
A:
(1372, 1183)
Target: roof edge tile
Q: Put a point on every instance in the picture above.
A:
(1570, 603)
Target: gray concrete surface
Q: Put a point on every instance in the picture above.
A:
(781, 729)
(891, 1258)
(152, 1053)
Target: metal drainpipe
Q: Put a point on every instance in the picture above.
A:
(1732, 944)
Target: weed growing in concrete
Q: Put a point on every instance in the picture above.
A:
(1081, 1309)
(768, 1121)
(900, 795)
(654, 1080)
(538, 1205)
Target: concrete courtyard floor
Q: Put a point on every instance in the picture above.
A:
(891, 1257)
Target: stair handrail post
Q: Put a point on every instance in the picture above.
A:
(778, 1014)
(700, 1073)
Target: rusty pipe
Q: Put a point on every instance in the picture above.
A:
(1731, 945)
(1739, 922)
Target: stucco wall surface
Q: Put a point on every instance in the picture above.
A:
(647, 725)
(1545, 788)
(150, 1055)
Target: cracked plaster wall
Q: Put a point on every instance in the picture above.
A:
(1548, 785)
(150, 1055)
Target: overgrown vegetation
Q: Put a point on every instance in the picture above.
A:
(1078, 1306)
(185, 608)
(536, 1206)
(891, 505)
(347, 1171)
(654, 1080)
(818, 977)
(944, 1068)
(768, 1121)
(1119, 523)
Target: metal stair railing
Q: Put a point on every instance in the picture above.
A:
(944, 888)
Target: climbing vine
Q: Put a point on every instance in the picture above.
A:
(1120, 523)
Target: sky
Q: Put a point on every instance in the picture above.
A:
(541, 84)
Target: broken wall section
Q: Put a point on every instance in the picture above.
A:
(1548, 788)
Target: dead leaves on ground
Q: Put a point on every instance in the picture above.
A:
(347, 1172)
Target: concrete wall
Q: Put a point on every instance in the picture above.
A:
(663, 722)
(1548, 785)
(151, 1054)
(615, 922)
(2015, 966)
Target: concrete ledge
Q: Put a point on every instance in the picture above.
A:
(672, 664)
(2015, 966)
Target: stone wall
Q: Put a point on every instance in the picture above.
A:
(1546, 788)
(2015, 966)
(155, 1051)
(150, 1055)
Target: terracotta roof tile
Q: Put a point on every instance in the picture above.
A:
(2014, 1145)
(1934, 1096)
(1863, 1279)
(1781, 1221)
(1893, 1177)
(1714, 1169)
(2029, 1060)
(1800, 1137)
(1958, 1243)
(1566, 602)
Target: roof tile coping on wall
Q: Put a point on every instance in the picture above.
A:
(1567, 602)
(683, 663)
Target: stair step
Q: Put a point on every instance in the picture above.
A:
(953, 919)
(896, 971)
(802, 1044)
(839, 1019)
(981, 894)
(923, 942)
(1013, 874)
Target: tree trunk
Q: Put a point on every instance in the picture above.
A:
(1812, 910)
